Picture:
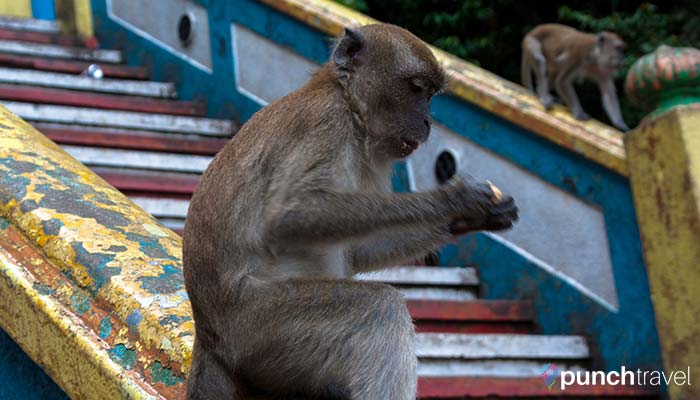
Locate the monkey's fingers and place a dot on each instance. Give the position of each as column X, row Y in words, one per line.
column 497, row 194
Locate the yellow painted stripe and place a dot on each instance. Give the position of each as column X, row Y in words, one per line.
column 592, row 139
column 76, row 17
column 16, row 8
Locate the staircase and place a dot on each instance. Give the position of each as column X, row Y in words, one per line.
column 139, row 137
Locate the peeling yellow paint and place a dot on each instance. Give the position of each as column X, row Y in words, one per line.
column 664, row 158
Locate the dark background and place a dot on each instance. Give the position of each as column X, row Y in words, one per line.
column 488, row 32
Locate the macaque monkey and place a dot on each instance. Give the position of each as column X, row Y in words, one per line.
column 558, row 54
column 297, row 203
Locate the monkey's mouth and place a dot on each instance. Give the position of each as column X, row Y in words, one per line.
column 408, row 146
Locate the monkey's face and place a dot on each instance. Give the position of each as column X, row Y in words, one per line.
column 394, row 79
column 611, row 51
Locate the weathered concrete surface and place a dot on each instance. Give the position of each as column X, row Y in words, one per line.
column 664, row 163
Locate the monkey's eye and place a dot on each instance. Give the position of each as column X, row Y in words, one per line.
column 417, row 86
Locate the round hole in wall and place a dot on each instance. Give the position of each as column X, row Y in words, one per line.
column 184, row 28
column 445, row 167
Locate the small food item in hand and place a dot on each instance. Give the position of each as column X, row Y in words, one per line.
column 497, row 194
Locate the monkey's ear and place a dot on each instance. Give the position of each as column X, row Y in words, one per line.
column 347, row 52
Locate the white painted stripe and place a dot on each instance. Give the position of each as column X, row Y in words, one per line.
column 121, row 119
column 477, row 346
column 79, row 82
column 423, row 276
column 28, row 24
column 163, row 207
column 492, row 368
column 102, row 157
column 172, row 223
column 438, row 294
column 550, row 269
column 55, row 51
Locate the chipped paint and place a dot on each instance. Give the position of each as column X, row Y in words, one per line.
column 123, row 356
column 160, row 374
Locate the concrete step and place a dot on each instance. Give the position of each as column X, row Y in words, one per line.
column 122, row 119
column 139, row 160
column 424, row 276
column 60, row 52
column 475, row 316
column 29, row 25
column 86, row 83
column 46, row 95
column 429, row 283
column 72, row 66
column 131, row 139
column 40, row 37
column 484, row 387
column 501, row 346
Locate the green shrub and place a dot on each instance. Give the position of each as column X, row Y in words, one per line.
column 488, row 32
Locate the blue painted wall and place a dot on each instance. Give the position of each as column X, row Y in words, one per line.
column 21, row 378
column 43, row 9
column 627, row 337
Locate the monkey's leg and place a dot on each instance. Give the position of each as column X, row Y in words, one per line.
column 535, row 49
column 611, row 104
column 564, row 84
column 208, row 378
column 526, row 70
column 325, row 339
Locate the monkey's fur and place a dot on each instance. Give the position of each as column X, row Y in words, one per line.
column 297, row 203
column 558, row 54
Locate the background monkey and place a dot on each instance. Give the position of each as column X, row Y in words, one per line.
column 558, row 54
column 298, row 202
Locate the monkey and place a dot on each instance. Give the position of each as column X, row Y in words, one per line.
column 558, row 54
column 300, row 200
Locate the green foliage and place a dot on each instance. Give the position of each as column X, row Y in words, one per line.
column 488, row 32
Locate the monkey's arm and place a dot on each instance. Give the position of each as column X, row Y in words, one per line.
column 397, row 247
column 403, row 245
column 611, row 103
column 564, row 84
column 327, row 216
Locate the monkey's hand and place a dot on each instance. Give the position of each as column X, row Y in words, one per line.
column 479, row 206
column 501, row 216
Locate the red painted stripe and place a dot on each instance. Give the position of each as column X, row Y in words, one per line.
column 41, row 37
column 127, row 139
column 513, row 388
column 42, row 95
column 473, row 327
column 72, row 67
column 141, row 181
column 477, row 310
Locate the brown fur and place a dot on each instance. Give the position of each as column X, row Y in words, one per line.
column 558, row 54
column 297, row 203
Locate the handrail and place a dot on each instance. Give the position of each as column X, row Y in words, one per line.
column 81, row 263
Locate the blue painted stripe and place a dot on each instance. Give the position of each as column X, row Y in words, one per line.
column 44, row 9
